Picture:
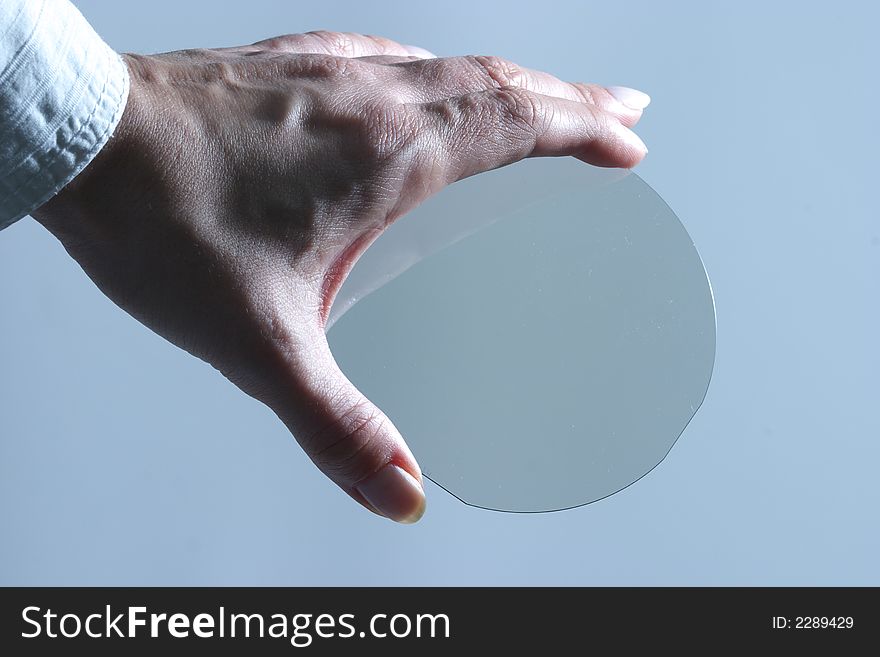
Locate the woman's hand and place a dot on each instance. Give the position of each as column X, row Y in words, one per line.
column 243, row 183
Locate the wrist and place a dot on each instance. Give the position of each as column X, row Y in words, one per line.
column 67, row 207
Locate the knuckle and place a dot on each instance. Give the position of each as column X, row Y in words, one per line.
column 349, row 447
column 516, row 107
column 321, row 66
column 446, row 114
column 279, row 41
column 341, row 43
column 390, row 130
column 586, row 92
column 376, row 134
column 496, row 71
column 215, row 70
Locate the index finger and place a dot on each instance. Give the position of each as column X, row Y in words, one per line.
column 489, row 129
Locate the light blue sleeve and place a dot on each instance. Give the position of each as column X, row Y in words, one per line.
column 62, row 92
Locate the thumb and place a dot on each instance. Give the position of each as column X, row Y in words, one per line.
column 349, row 438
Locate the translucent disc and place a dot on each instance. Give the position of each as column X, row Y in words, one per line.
column 541, row 335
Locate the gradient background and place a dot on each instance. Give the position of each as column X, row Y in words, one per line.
column 125, row 461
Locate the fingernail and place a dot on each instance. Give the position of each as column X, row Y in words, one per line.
column 421, row 52
column 632, row 98
column 395, row 494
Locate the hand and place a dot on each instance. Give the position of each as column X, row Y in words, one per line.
column 243, row 183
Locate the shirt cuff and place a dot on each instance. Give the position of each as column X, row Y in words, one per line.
column 62, row 93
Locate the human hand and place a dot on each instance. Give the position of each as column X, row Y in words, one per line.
column 243, row 183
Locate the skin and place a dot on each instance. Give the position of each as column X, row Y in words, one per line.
column 242, row 184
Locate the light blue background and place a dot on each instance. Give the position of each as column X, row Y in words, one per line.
column 125, row 461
